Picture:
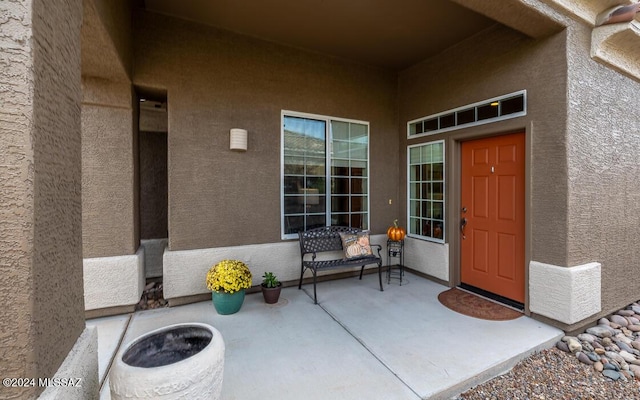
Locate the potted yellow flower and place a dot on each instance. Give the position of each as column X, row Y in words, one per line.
column 227, row 281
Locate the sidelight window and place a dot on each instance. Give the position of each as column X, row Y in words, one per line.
column 426, row 191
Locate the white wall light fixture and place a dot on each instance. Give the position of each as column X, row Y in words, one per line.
column 238, row 139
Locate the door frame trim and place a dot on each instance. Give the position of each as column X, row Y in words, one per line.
column 453, row 151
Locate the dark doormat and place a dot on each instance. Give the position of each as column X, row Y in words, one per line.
column 475, row 306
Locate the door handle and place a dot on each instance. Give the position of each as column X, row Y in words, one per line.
column 463, row 224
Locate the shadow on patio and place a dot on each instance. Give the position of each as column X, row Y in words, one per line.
column 357, row 343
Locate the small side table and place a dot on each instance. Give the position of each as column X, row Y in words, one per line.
column 395, row 250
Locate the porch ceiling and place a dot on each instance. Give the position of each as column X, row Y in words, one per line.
column 389, row 34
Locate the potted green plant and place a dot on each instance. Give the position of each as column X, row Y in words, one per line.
column 227, row 281
column 271, row 287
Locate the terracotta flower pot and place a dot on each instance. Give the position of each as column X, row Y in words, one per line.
column 271, row 295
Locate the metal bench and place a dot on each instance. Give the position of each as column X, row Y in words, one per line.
column 327, row 239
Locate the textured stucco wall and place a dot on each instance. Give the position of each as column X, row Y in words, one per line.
column 618, row 46
column 115, row 17
column 40, row 227
column 153, row 121
column 586, row 10
column 426, row 257
column 81, row 363
column 565, row 294
column 109, row 169
column 216, row 81
column 153, row 185
column 530, row 17
column 604, row 191
column 184, row 271
column 497, row 62
column 106, row 39
column 113, row 281
column 153, row 252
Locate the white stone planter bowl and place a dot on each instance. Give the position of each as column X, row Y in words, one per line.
column 199, row 376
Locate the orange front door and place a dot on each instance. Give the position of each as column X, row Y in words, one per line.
column 492, row 215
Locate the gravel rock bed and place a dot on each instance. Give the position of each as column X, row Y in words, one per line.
column 553, row 374
column 602, row 363
column 152, row 297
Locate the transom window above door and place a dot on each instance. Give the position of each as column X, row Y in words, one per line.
column 325, row 172
column 492, row 110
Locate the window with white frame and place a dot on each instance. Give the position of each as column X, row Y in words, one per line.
column 325, row 172
column 426, row 193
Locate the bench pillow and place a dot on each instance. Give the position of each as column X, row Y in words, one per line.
column 356, row 245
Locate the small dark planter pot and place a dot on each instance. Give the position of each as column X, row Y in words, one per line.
column 271, row 295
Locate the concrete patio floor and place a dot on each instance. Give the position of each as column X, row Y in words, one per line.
column 357, row 343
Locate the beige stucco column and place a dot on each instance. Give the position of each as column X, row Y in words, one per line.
column 113, row 263
column 109, row 168
column 42, row 322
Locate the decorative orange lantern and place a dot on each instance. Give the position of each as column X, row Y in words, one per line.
column 395, row 232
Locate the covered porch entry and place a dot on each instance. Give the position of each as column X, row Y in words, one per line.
column 357, row 343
